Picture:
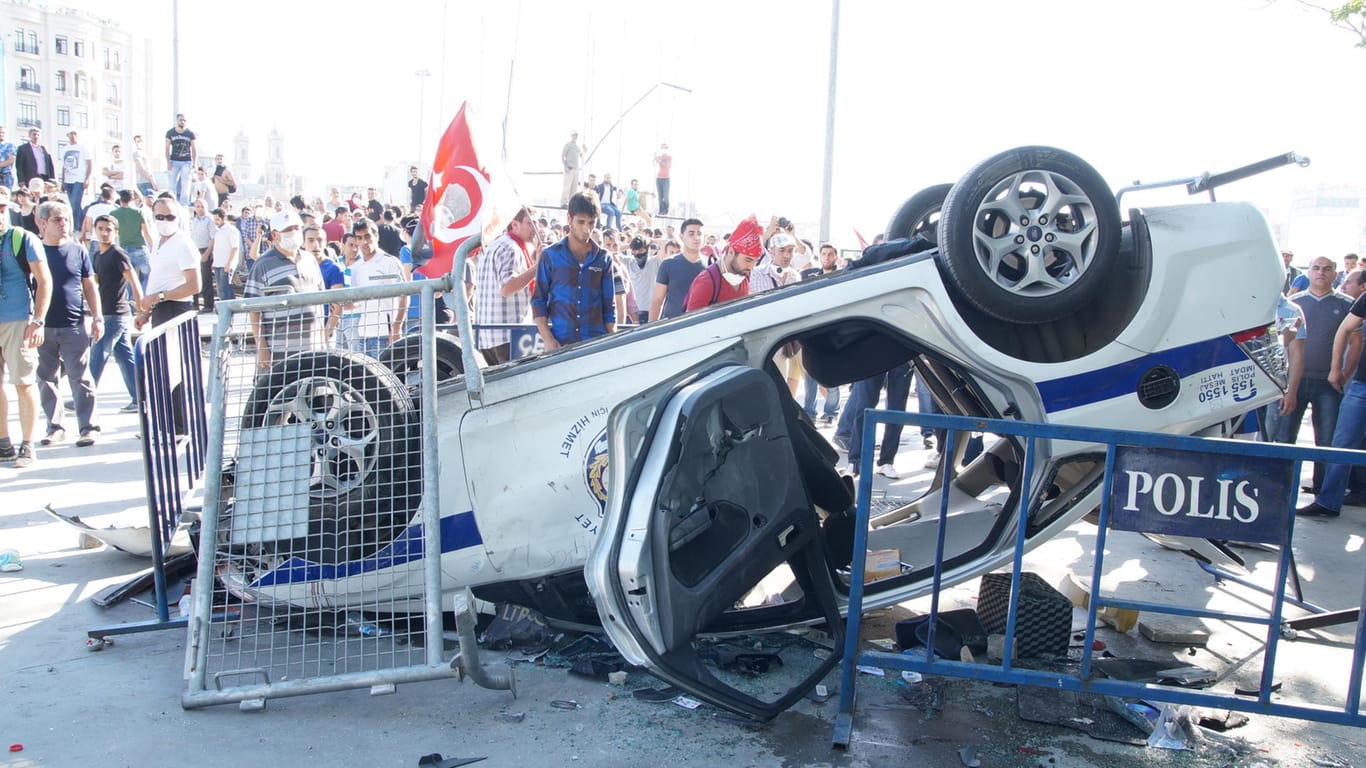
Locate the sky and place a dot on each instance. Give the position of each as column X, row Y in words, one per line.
column 1143, row 91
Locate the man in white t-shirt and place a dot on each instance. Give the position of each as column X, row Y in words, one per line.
column 76, row 167
column 117, row 172
column 174, row 279
column 381, row 320
column 227, row 251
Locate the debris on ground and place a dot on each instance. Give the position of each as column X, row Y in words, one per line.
column 969, row 757
column 656, row 695
column 9, row 561
column 435, row 760
column 510, row 717
column 517, row 626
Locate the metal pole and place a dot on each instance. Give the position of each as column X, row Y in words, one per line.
column 828, row 176
column 422, row 75
column 175, row 57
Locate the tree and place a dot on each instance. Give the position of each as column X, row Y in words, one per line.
column 1349, row 15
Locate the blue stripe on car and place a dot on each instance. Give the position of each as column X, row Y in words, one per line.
column 457, row 532
column 1122, row 379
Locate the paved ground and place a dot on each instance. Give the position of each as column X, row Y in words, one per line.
column 69, row 707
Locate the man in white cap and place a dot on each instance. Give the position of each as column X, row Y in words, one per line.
column 776, row 270
column 279, row 271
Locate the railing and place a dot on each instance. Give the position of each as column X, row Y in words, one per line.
column 31, row 87
column 26, row 48
column 29, row 122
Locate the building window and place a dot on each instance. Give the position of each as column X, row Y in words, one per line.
column 118, row 65
column 63, row 116
column 28, row 115
column 28, row 80
column 61, row 80
column 60, row 44
column 111, row 126
column 25, row 41
column 80, row 49
column 113, row 97
column 81, row 89
column 82, row 119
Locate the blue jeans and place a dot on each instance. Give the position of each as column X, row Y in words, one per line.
column 898, row 383
column 373, row 345
column 115, row 341
column 141, row 263
column 146, row 188
column 222, row 280
column 662, row 188
column 1326, row 402
column 832, row 399
column 1351, row 425
column 180, row 180
column 611, row 212
column 924, row 403
column 75, row 193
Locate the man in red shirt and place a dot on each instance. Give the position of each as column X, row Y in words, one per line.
column 728, row 277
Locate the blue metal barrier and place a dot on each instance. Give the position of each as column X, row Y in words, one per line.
column 1130, row 457
column 171, row 401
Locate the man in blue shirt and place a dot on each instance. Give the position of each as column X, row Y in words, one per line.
column 23, row 316
column 574, row 298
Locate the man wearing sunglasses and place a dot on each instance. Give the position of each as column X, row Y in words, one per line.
column 175, row 277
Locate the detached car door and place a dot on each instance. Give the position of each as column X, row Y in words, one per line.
column 706, row 500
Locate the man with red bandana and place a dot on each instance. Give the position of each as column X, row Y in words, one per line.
column 728, row 277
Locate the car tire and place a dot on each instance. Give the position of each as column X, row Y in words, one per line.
column 919, row 215
column 359, row 412
column 1029, row 235
column 404, row 358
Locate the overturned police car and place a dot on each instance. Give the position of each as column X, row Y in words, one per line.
column 662, row 483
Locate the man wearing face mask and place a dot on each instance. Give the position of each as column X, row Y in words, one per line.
column 728, row 278
column 285, row 268
column 641, row 270
column 174, row 278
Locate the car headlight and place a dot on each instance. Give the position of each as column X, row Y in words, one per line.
column 1263, row 346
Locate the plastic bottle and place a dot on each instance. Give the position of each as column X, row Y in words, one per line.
column 356, row 624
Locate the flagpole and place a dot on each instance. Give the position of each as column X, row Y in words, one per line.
column 827, row 178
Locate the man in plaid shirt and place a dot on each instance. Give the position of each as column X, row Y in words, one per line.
column 502, row 278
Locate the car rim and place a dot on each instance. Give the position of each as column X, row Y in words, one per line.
column 1035, row 233
column 344, row 428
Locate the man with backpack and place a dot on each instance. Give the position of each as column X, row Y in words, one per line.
column 728, row 278
column 25, row 292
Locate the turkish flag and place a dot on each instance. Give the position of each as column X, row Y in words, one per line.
column 459, row 201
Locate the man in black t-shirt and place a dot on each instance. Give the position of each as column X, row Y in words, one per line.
column 116, row 277
column 1351, row 423
column 417, row 189
column 181, row 154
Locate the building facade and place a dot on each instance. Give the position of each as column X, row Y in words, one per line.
column 66, row 70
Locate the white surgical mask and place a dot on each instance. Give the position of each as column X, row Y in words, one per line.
column 166, row 228
column 733, row 279
column 290, row 241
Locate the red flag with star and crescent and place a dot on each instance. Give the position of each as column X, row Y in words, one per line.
column 459, row 203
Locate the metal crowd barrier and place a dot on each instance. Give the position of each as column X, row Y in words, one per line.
column 1129, row 456
column 170, row 390
column 319, row 552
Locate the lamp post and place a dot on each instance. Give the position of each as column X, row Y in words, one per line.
column 422, row 74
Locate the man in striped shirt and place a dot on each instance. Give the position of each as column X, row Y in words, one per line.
column 502, row 276
column 280, row 270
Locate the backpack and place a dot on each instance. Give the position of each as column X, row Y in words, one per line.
column 16, row 247
column 715, row 277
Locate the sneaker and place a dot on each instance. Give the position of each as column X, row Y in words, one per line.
column 928, row 442
column 932, row 461
column 888, row 471
column 840, row 443
column 1315, row 509
column 8, row 453
column 87, row 439
column 25, row 455
column 70, row 406
column 130, row 408
column 55, row 436
column 853, row 469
